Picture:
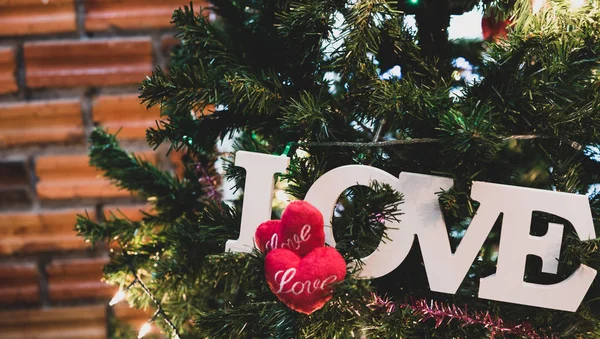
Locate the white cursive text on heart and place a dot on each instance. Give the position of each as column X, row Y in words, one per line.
column 292, row 243
column 282, row 278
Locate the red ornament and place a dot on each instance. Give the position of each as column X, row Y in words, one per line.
column 494, row 29
column 300, row 230
column 304, row 284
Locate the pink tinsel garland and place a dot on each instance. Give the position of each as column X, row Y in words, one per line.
column 209, row 183
column 441, row 312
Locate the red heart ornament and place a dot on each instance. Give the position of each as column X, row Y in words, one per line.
column 300, row 230
column 304, row 283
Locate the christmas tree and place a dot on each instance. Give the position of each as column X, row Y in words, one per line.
column 313, row 81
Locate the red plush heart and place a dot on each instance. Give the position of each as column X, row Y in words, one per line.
column 304, row 283
column 300, row 230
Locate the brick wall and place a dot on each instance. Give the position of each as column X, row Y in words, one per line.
column 66, row 66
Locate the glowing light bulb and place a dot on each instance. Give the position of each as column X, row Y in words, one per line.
column 120, row 296
column 145, row 329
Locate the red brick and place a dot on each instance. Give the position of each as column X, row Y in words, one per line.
column 131, row 14
column 32, row 232
column 55, row 323
column 22, row 17
column 19, row 283
column 40, row 122
column 101, row 62
column 76, row 279
column 8, row 83
column 124, row 113
column 71, row 177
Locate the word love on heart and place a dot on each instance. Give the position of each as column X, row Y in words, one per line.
column 423, row 219
column 282, row 278
column 300, row 229
column 292, row 243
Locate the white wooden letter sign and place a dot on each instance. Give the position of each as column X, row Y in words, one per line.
column 423, row 218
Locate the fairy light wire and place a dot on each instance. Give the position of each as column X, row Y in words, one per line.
column 159, row 310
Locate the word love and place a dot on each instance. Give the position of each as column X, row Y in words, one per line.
column 423, row 219
column 282, row 278
column 292, row 243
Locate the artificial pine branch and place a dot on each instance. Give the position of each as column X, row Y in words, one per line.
column 170, row 196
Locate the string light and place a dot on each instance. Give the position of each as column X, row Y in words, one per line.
column 145, row 329
column 287, row 149
column 120, row 296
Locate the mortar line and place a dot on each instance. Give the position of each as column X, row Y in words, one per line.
column 79, row 7
column 42, row 262
column 20, row 73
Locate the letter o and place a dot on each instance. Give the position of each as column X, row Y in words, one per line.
column 323, row 194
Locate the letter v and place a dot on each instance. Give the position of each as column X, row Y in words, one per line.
column 445, row 270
